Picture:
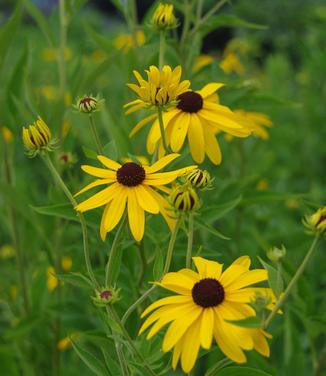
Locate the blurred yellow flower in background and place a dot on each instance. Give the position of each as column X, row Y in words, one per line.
column 256, row 122
column 7, row 251
column 7, row 135
column 66, row 263
column 201, row 62
column 64, row 344
column 231, row 63
column 262, row 185
column 51, row 54
column 125, row 42
column 52, row 281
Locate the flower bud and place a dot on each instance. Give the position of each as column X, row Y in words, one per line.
column 105, row 296
column 37, row 137
column 88, row 104
column 261, row 301
column 184, row 198
column 276, row 254
column 199, row 179
column 66, row 159
column 163, row 17
column 317, row 221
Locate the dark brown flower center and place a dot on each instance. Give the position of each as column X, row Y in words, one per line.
column 105, row 294
column 321, row 219
column 131, row 174
column 208, row 293
column 87, row 100
column 190, row 102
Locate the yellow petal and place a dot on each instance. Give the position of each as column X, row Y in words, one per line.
column 94, row 184
column 146, row 200
column 177, row 329
column 101, row 198
column 210, row 89
column 208, row 268
column 190, row 348
column 161, row 163
column 212, row 147
column 207, row 327
column 177, row 299
column 235, row 311
column 136, row 216
column 99, row 172
column 117, row 208
column 249, row 278
column 179, row 131
column 232, row 273
column 243, row 261
column 141, row 124
column 196, row 139
column 109, row 163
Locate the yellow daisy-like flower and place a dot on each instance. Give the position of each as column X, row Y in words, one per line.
column 201, row 62
column 161, row 88
column 206, row 303
column 131, row 185
column 125, row 42
column 255, row 121
column 198, row 116
column 231, row 63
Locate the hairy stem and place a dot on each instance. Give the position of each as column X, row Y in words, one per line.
column 190, row 239
column 95, row 135
column 160, row 120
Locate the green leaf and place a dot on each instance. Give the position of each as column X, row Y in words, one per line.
column 266, row 196
column 65, row 211
column 242, row 371
column 111, row 323
column 110, row 150
column 210, row 229
column 248, row 322
column 8, row 30
column 212, row 213
column 89, row 153
column 75, row 279
column 23, row 327
column 275, row 280
column 227, row 21
column 41, row 21
column 91, row 361
column 158, row 264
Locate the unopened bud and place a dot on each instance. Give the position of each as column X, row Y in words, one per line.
column 105, row 296
column 199, row 179
column 276, row 254
column 88, row 104
column 317, row 221
column 163, row 17
column 184, row 198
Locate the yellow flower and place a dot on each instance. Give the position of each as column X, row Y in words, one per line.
column 7, row 135
column 7, row 251
column 52, row 280
column 51, row 54
column 49, row 92
column 37, row 137
column 198, row 116
column 206, row 303
column 317, row 221
column 66, row 263
column 140, row 158
column 125, row 42
column 98, row 56
column 161, row 88
column 255, row 121
column 131, row 185
column 231, row 63
column 163, row 17
column 262, row 185
column 64, row 344
column 201, row 62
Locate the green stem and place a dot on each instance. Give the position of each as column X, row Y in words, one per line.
column 20, row 259
column 218, row 366
column 95, row 135
column 62, row 47
column 208, row 15
column 171, row 246
column 190, row 239
column 122, row 360
column 57, row 178
column 292, row 283
column 160, row 120
column 130, row 341
column 165, row 270
column 114, row 254
column 162, row 49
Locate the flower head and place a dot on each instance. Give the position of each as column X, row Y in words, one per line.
column 105, row 296
column 199, row 179
column 161, row 88
column 37, row 138
column 276, row 254
column 163, row 17
column 231, row 63
column 205, row 303
column 197, row 116
column 317, row 221
column 88, row 104
column 184, row 198
column 125, row 42
column 131, row 185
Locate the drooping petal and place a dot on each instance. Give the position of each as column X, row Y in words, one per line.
column 212, row 147
column 248, row 278
column 116, row 210
column 99, row 172
column 95, row 184
column 196, row 139
column 146, row 200
column 190, row 348
column 141, row 124
column 207, row 327
column 136, row 216
column 179, row 131
column 177, row 299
